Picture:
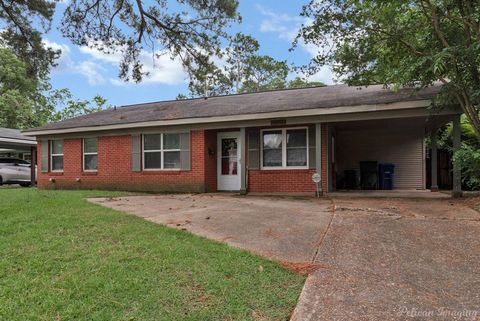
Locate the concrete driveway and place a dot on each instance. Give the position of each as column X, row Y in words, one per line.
column 380, row 258
column 396, row 259
column 278, row 228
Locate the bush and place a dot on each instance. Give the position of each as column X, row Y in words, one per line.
column 468, row 157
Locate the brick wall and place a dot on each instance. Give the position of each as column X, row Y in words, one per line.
column 281, row 181
column 114, row 168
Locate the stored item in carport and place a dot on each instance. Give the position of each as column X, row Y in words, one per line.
column 369, row 175
column 386, row 174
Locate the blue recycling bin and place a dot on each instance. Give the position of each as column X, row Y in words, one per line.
column 386, row 175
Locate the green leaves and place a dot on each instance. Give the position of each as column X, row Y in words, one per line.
column 13, row 73
column 70, row 107
column 441, row 61
column 186, row 29
column 468, row 157
column 400, row 43
column 23, row 23
column 26, row 103
column 241, row 70
column 264, row 73
column 16, row 99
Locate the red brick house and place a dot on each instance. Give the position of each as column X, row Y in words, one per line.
column 259, row 142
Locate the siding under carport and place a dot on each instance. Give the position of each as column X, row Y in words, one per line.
column 399, row 141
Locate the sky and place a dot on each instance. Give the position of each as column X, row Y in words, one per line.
column 87, row 72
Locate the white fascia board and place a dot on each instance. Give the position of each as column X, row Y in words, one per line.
column 18, row 141
column 219, row 119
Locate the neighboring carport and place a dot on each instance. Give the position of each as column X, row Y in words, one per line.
column 13, row 143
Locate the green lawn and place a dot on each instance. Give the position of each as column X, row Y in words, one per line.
column 62, row 258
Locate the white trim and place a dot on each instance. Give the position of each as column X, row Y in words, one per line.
column 89, row 153
column 161, row 151
column 18, row 141
column 56, row 155
column 256, row 116
column 229, row 182
column 284, row 149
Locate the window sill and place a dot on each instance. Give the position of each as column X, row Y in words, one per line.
column 163, row 171
column 283, row 168
column 55, row 173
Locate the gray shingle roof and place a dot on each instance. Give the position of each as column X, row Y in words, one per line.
column 13, row 134
column 244, row 104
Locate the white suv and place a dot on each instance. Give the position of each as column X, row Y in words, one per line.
column 15, row 171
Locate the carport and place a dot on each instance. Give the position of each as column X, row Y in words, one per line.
column 14, row 143
column 359, row 150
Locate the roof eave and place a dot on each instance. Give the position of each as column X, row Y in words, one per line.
column 18, row 141
column 413, row 104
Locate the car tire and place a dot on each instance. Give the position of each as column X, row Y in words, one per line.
column 25, row 185
column 1, row 181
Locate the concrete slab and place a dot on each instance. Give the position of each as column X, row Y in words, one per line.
column 396, row 259
column 280, row 228
column 411, row 194
column 380, row 259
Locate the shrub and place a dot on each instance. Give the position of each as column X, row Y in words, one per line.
column 469, row 159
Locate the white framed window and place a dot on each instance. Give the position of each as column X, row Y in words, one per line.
column 284, row 148
column 56, row 155
column 161, row 151
column 90, row 154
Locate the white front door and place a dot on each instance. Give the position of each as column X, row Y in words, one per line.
column 228, row 161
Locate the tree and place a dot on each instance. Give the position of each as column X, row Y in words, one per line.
column 181, row 97
column 468, row 157
column 25, row 103
column 16, row 103
column 188, row 29
column 208, row 80
column 70, row 107
column 401, row 43
column 22, row 23
column 238, row 53
column 264, row 73
column 259, row 73
column 299, row 82
column 226, row 75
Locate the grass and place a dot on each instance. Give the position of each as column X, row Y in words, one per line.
column 62, row 258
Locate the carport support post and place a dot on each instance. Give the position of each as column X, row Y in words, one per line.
column 457, row 173
column 318, row 154
column 33, row 162
column 433, row 143
column 243, row 161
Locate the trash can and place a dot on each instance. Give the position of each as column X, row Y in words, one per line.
column 386, row 175
column 368, row 175
column 350, row 179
